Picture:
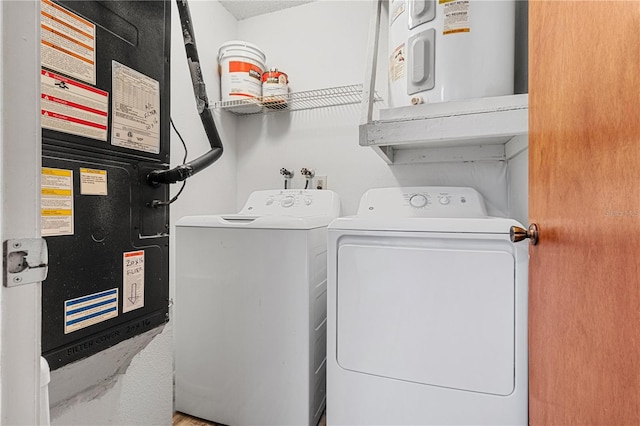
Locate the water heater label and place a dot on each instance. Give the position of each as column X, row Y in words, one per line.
column 133, row 281
column 89, row 310
column 396, row 63
column 68, row 42
column 73, row 107
column 456, row 16
column 56, row 202
column 396, row 10
column 93, row 182
column 136, row 110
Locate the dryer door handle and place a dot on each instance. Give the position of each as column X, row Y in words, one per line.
column 517, row 234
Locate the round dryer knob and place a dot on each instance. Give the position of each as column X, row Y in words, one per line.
column 418, row 201
column 308, row 201
column 287, row 201
column 444, row 200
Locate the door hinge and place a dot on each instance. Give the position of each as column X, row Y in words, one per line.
column 25, row 261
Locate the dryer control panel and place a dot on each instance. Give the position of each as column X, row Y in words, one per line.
column 422, row 201
column 292, row 202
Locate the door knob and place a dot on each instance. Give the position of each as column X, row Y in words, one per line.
column 518, row 234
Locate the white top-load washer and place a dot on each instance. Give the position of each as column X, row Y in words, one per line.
column 427, row 312
column 250, row 310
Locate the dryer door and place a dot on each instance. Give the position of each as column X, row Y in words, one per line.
column 428, row 308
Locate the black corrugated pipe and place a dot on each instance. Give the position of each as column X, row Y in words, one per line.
column 186, row 170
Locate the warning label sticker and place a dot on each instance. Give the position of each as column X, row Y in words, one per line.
column 397, row 8
column 396, row 63
column 136, row 110
column 72, row 107
column 93, row 182
column 456, row 16
column 68, row 42
column 89, row 310
column 133, row 281
column 56, row 202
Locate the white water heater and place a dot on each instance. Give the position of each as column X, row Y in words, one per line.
column 446, row 50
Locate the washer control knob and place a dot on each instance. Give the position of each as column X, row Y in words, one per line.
column 308, row 201
column 269, row 201
column 287, row 201
column 418, row 201
column 444, row 200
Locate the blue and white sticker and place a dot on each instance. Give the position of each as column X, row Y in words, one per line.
column 89, row 310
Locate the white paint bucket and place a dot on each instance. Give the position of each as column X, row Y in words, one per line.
column 446, row 50
column 241, row 65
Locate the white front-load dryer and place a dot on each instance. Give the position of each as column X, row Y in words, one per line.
column 250, row 310
column 427, row 312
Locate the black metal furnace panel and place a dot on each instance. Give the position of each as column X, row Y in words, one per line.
column 92, row 261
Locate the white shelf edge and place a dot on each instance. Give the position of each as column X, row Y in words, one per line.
column 468, row 123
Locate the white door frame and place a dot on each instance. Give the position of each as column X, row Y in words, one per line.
column 20, row 162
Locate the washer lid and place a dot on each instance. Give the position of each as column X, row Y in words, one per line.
column 245, row 221
column 276, row 209
column 486, row 225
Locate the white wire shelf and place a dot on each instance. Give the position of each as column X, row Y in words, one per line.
column 296, row 101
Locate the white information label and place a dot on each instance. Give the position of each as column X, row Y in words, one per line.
column 93, row 182
column 133, row 281
column 72, row 107
column 56, row 202
column 89, row 310
column 456, row 16
column 135, row 110
column 68, row 42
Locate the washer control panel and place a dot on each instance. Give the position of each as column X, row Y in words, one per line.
column 292, row 202
column 422, row 201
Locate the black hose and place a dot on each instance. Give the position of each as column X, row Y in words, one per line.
column 186, row 170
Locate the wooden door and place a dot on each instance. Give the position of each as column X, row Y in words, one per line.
column 584, row 189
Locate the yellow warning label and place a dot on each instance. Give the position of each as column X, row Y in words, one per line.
column 56, row 172
column 51, row 191
column 93, row 182
column 56, row 212
column 56, row 202
column 94, row 171
column 458, row 30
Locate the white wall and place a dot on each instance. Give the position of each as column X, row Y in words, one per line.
column 143, row 395
column 320, row 45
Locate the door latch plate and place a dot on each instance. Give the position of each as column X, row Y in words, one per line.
column 25, row 261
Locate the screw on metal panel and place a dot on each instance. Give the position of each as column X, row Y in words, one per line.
column 17, row 245
column 17, row 279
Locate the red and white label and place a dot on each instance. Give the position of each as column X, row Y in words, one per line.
column 68, row 42
column 245, row 79
column 274, row 83
column 132, row 280
column 73, row 107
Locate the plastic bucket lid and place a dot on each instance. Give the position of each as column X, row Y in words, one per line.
column 238, row 47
